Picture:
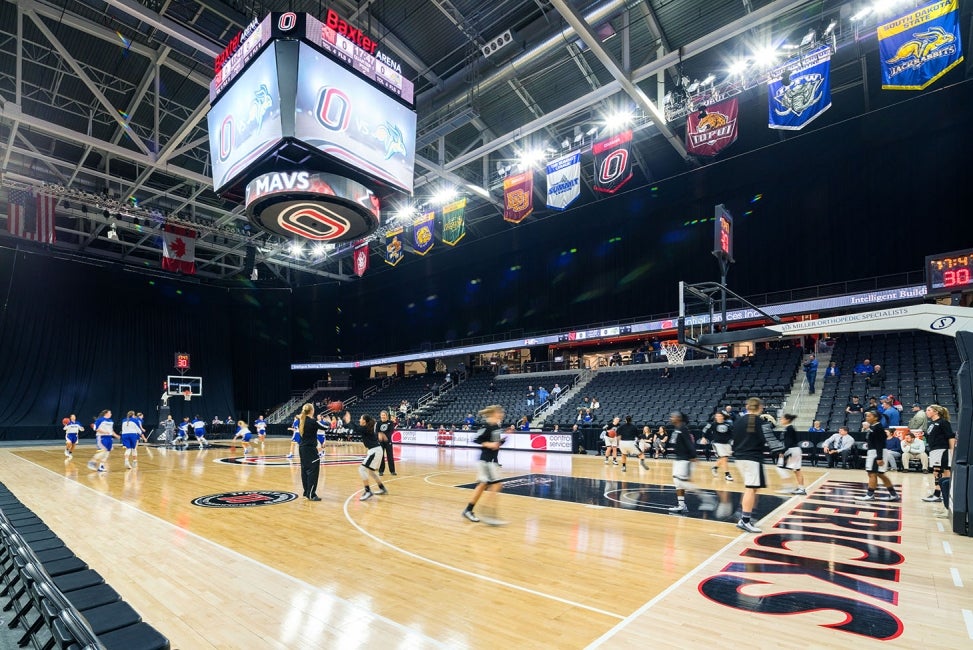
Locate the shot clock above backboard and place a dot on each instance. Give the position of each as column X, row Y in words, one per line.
column 948, row 273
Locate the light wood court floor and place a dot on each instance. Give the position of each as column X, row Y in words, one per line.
column 589, row 556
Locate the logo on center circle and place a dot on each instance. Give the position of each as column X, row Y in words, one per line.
column 244, row 499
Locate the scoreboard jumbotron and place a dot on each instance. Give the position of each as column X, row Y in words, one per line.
column 312, row 126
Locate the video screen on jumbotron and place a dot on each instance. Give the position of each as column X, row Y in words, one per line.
column 245, row 122
column 347, row 118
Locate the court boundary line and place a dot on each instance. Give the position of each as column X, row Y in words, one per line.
column 621, row 625
column 393, row 623
column 465, row 572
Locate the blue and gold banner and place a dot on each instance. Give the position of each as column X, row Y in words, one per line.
column 393, row 246
column 422, row 233
column 799, row 90
column 454, row 222
column 921, row 46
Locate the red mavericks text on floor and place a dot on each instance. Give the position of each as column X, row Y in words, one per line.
column 823, row 527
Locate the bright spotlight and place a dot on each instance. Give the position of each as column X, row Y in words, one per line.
column 444, row 196
column 737, row 67
column 765, row 56
column 296, row 249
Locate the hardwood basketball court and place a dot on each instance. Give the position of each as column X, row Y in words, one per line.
column 589, row 556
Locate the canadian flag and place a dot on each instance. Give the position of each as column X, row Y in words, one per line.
column 179, row 249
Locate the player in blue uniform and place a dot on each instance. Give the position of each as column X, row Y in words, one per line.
column 72, row 430
column 243, row 433
column 104, row 435
column 131, row 433
column 199, row 430
column 183, row 431
column 323, row 422
column 260, row 425
column 296, row 437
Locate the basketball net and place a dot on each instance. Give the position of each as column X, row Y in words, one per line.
column 675, row 353
column 187, row 395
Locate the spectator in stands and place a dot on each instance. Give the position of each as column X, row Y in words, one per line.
column 531, row 396
column 469, row 421
column 890, row 414
column 667, row 373
column 659, row 441
column 838, row 448
column 864, row 368
column 877, row 378
column 555, row 392
column 595, row 404
column 586, row 418
column 492, row 388
column 615, row 359
column 811, row 372
column 542, row 395
column 816, row 427
column 523, row 424
column 855, row 407
column 585, row 403
column 914, row 449
column 832, row 370
column 729, row 413
column 919, row 421
column 872, row 404
column 556, row 429
column 893, row 450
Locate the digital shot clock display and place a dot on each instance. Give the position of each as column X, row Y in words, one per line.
column 949, row 272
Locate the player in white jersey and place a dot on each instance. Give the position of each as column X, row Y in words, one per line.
column 131, row 434
column 104, row 436
column 243, row 433
column 260, row 425
column 72, row 430
column 182, row 431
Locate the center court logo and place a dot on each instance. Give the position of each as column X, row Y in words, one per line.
column 244, row 499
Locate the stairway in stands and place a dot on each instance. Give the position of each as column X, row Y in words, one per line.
column 799, row 401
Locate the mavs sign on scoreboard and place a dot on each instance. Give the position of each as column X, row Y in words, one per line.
column 285, row 95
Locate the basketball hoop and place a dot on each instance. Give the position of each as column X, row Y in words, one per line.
column 187, row 395
column 675, row 353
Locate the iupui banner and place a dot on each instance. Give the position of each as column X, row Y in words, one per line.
column 518, row 196
column 360, row 258
column 563, row 180
column 713, row 129
column 921, row 46
column 179, row 249
column 613, row 162
column 454, row 222
column 393, row 246
column 800, row 90
column 423, row 227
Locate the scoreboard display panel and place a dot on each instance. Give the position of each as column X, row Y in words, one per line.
column 949, row 272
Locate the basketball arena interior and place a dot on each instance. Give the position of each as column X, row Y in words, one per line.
column 528, row 262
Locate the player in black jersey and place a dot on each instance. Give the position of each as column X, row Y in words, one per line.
column 721, row 435
column 385, row 426
column 685, row 449
column 942, row 440
column 487, row 474
column 875, row 463
column 627, row 434
column 373, row 455
column 749, row 442
column 791, row 458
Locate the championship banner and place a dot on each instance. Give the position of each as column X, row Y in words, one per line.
column 454, row 222
column 518, row 196
column 921, row 46
column 613, row 162
column 563, row 180
column 360, row 258
column 806, row 93
column 393, row 246
column 422, row 233
column 711, row 130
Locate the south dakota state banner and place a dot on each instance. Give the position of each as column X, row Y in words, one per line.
column 422, row 233
column 613, row 162
column 794, row 105
column 359, row 257
column 563, row 180
column 454, row 222
column 393, row 246
column 710, row 131
column 921, row 46
column 518, row 196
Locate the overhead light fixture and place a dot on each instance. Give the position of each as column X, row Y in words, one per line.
column 738, row 67
column 296, row 249
column 830, row 27
column 708, row 81
column 444, row 196
column 862, row 14
column 319, row 250
column 529, row 158
column 112, row 233
column 618, row 119
column 765, row 56
column 808, row 38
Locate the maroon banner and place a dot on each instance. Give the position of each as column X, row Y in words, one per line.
column 518, row 196
column 712, row 129
column 613, row 162
column 360, row 257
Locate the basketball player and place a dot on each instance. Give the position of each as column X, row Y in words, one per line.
column 748, row 452
column 260, row 425
column 685, row 449
column 72, row 430
column 295, row 436
column 373, row 456
column 311, row 431
column 627, row 434
column 386, row 427
column 790, row 458
column 320, row 436
column 243, row 433
column 611, row 440
column 104, row 434
column 875, row 463
column 199, row 430
column 941, row 439
column 131, row 432
column 721, row 436
column 487, row 474
column 183, row 429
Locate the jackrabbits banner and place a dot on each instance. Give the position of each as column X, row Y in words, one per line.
column 920, row 47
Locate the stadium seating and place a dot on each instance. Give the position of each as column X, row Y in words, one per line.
column 406, row 388
column 510, row 391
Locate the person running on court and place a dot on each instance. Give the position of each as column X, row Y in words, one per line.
column 627, row 434
column 260, row 426
column 199, row 430
column 721, row 436
column 104, row 435
column 243, row 433
column 131, row 433
column 791, row 458
column 72, row 430
column 487, row 470
column 685, row 450
column 875, row 463
column 309, row 429
column 748, row 452
column 183, row 435
column 373, row 456
column 386, row 426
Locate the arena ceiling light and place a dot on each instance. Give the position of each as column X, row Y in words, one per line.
column 618, row 120
column 444, row 195
column 319, row 250
column 530, row 157
column 296, row 249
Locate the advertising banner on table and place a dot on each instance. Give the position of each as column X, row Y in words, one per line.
column 613, row 162
column 423, row 228
column 534, row 441
column 921, row 46
column 393, row 245
column 563, row 180
column 713, row 129
column 360, row 258
column 518, row 196
column 800, row 90
column 454, row 222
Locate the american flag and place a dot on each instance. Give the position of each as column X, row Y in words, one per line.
column 31, row 216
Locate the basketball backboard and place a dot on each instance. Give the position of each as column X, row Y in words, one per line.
column 177, row 384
